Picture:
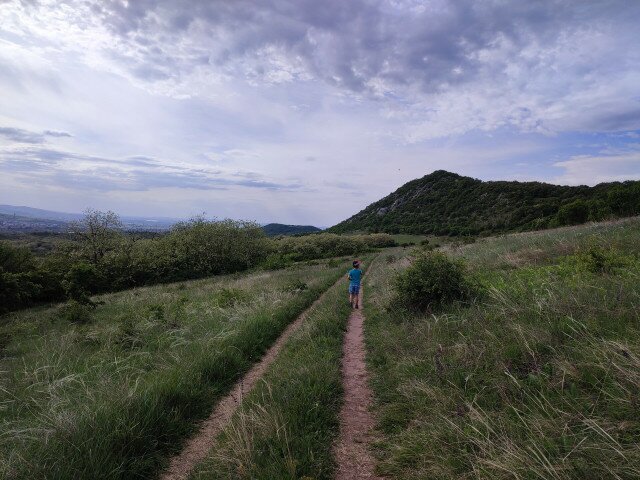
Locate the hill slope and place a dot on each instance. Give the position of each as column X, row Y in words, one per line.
column 537, row 378
column 445, row 203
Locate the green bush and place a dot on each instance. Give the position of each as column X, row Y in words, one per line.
column 323, row 245
column 16, row 290
column 76, row 312
column 597, row 259
column 15, row 259
column 573, row 213
column 200, row 248
column 228, row 297
column 378, row 240
column 78, row 269
column 295, row 286
column 276, row 261
column 432, row 281
column 80, row 281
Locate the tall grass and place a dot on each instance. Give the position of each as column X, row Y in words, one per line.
column 536, row 379
column 285, row 428
column 113, row 397
column 545, row 246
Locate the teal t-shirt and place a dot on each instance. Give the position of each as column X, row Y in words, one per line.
column 354, row 276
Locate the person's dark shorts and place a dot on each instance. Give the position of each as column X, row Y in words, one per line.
column 354, row 289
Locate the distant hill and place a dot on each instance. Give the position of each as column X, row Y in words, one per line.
column 274, row 229
column 21, row 218
column 29, row 212
column 445, row 203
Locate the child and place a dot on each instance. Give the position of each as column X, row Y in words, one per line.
column 355, row 275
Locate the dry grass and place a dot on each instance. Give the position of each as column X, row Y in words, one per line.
column 111, row 398
column 285, row 428
column 537, row 379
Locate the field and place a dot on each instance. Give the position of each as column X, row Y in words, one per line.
column 405, row 238
column 111, row 395
column 286, row 427
column 536, row 378
column 536, row 375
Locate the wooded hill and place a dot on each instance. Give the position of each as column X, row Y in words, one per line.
column 444, row 203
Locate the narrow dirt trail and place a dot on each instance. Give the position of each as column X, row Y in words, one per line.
column 351, row 451
column 198, row 446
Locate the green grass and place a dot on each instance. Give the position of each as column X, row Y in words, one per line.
column 285, row 428
column 545, row 246
column 539, row 378
column 401, row 238
column 113, row 397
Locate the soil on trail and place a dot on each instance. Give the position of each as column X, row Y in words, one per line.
column 198, row 446
column 351, row 451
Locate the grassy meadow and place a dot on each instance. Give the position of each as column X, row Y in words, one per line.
column 285, row 428
column 533, row 375
column 538, row 377
column 111, row 395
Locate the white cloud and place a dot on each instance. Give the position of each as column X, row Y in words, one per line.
column 377, row 93
column 590, row 170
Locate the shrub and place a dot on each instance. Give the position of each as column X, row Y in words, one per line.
column 378, row 240
column 432, row 281
column 76, row 312
column 228, row 297
column 15, row 259
column 156, row 311
column 573, row 213
column 200, row 248
column 323, row 245
column 276, row 261
column 128, row 335
column 114, row 260
column 295, row 286
column 80, row 281
column 597, row 259
column 16, row 290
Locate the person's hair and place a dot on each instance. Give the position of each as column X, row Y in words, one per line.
column 356, row 263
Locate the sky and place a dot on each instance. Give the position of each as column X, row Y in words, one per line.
column 306, row 111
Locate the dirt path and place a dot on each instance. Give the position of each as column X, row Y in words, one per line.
column 351, row 451
column 198, row 446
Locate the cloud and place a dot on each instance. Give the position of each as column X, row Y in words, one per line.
column 443, row 67
column 606, row 167
column 286, row 95
column 136, row 173
column 55, row 133
column 20, row 135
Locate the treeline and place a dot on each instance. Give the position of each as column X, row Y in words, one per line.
column 445, row 203
column 276, row 229
column 287, row 250
column 101, row 257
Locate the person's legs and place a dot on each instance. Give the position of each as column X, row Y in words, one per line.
column 356, row 295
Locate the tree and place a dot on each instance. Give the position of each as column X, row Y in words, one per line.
column 99, row 232
column 573, row 213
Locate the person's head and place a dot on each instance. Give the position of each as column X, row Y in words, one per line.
column 356, row 264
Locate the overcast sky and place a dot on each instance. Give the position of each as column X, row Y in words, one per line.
column 306, row 111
